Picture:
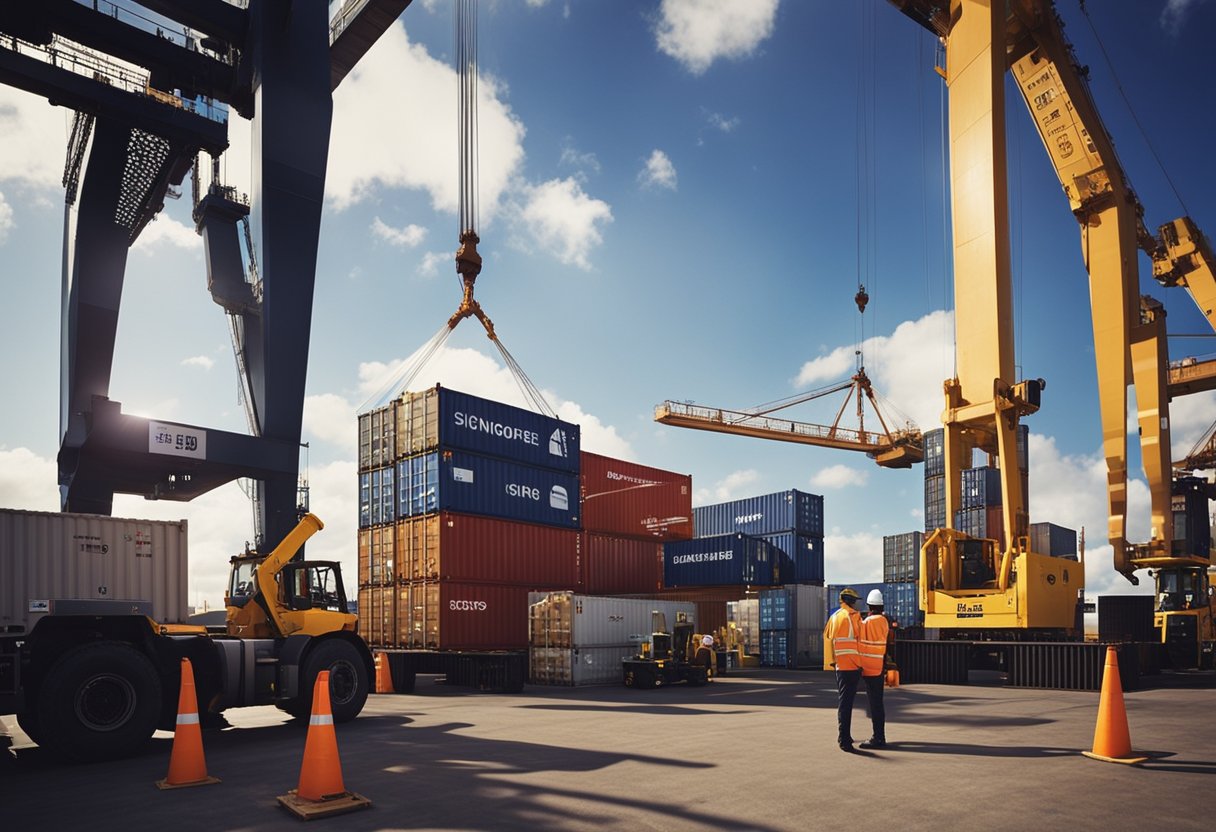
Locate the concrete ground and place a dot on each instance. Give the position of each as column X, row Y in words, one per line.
column 750, row 752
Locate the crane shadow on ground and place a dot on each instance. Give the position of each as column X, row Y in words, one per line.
column 1016, row 751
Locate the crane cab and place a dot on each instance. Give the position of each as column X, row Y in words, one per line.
column 309, row 599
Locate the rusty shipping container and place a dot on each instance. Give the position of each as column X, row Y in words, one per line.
column 376, row 555
column 465, row 547
column 50, row 556
column 625, row 498
column 610, row 565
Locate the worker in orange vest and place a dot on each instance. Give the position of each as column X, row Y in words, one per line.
column 874, row 632
column 841, row 639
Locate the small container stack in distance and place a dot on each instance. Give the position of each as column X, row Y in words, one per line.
column 1055, row 541
column 628, row 510
column 901, row 557
column 581, row 639
column 978, row 489
column 791, row 626
column 484, row 508
column 792, row 521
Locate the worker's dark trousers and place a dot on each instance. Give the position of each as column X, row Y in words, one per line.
column 846, row 692
column 878, row 711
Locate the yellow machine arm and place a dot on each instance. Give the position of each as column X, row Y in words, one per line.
column 266, row 571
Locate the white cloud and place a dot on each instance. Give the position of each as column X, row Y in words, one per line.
column 733, row 486
column 721, row 122
column 839, row 476
column 658, row 172
column 164, row 230
column 204, row 361
column 852, row 558
column 1190, row 418
column 362, row 158
column 331, row 418
column 907, row 367
column 1173, row 14
column 410, row 236
column 572, row 157
column 698, row 32
column 27, row 481
column 34, row 137
column 563, row 220
column 6, row 219
column 429, row 265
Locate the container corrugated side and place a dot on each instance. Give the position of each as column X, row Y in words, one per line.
column 901, row 556
column 578, row 666
column 935, row 502
column 1055, row 541
column 377, row 500
column 610, row 565
column 625, row 498
column 464, row 547
column 782, row 511
column 377, row 437
column 981, row 487
column 443, row 418
column 728, row 559
column 445, row 615
column 567, row 619
column 376, row 555
column 902, row 605
column 48, row 555
column 1192, row 523
column 935, row 453
column 793, row 608
column 806, row 553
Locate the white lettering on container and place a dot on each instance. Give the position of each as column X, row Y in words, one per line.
column 703, row 557
column 480, row 424
column 515, row 489
column 748, row 518
column 468, row 606
column 613, row 475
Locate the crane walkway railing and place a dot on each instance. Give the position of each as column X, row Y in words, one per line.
column 733, row 421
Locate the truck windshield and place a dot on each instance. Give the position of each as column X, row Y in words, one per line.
column 242, row 585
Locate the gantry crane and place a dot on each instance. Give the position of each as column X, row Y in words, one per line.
column 968, row 579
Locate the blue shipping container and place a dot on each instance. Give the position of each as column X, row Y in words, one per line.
column 1053, row 540
column 981, row 487
column 806, row 552
column 775, row 649
column 722, row 560
column 501, row 430
column 365, row 500
column 473, row 484
column 935, row 453
column 784, row 511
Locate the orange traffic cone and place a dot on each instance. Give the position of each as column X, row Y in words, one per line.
column 187, row 766
column 384, row 678
column 321, row 790
column 1112, row 742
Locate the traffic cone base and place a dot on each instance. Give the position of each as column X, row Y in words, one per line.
column 321, row 790
column 1112, row 741
column 206, row 781
column 329, row 805
column 187, row 765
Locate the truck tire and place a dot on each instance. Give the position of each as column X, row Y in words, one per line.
column 348, row 680
column 99, row 701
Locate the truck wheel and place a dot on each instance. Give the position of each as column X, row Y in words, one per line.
column 99, row 701
column 348, row 680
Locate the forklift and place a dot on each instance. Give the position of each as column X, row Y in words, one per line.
column 665, row 656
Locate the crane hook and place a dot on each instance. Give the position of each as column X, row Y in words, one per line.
column 861, row 298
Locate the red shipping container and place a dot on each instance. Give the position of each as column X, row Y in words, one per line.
column 625, row 498
column 442, row 615
column 464, row 547
column 619, row 565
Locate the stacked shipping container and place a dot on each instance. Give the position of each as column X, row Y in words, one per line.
column 901, row 557
column 791, row 626
column 791, row 521
column 465, row 505
column 901, row 607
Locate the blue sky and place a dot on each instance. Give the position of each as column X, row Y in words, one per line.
column 677, row 200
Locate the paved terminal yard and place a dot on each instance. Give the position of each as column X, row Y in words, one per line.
column 754, row 751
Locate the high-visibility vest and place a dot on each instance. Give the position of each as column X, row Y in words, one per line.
column 874, row 630
column 841, row 636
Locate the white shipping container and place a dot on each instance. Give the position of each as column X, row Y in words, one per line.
column 579, row 666
column 564, row 619
column 49, row 556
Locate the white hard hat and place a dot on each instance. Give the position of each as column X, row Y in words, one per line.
column 707, row 640
column 874, row 599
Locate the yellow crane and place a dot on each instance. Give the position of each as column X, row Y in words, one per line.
column 900, row 448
